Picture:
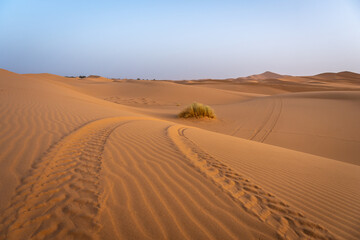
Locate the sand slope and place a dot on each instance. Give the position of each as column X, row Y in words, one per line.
column 35, row 114
column 320, row 123
column 153, row 193
column 51, row 166
column 322, row 189
column 81, row 159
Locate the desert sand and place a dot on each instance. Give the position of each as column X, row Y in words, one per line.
column 98, row 158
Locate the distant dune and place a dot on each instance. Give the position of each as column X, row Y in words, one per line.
column 265, row 75
column 96, row 158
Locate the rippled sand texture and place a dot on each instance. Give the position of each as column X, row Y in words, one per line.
column 102, row 159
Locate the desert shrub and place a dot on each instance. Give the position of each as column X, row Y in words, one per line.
column 197, row 110
column 82, row 76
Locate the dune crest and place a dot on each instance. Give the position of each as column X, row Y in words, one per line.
column 289, row 223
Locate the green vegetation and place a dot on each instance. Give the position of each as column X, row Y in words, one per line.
column 197, row 110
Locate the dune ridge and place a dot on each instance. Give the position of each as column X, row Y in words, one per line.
column 162, row 196
column 289, row 223
column 324, row 190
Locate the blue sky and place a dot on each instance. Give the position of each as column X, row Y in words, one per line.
column 179, row 39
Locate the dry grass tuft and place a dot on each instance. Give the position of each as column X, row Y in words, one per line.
column 197, row 110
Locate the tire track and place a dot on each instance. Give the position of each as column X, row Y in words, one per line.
column 61, row 195
column 246, row 119
column 289, row 223
column 278, row 107
column 266, row 120
column 178, row 193
column 270, row 121
column 161, row 196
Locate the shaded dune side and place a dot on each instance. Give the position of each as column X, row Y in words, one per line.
column 60, row 196
column 153, row 193
column 289, row 223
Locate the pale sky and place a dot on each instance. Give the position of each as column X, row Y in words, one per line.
column 179, row 39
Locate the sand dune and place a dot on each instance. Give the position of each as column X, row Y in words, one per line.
column 35, row 114
column 95, row 158
column 320, row 123
column 265, row 75
column 316, row 186
column 159, row 93
column 154, row 194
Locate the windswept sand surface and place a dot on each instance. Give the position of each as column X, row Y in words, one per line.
column 95, row 158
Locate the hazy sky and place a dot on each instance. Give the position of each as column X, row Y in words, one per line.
column 184, row 39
